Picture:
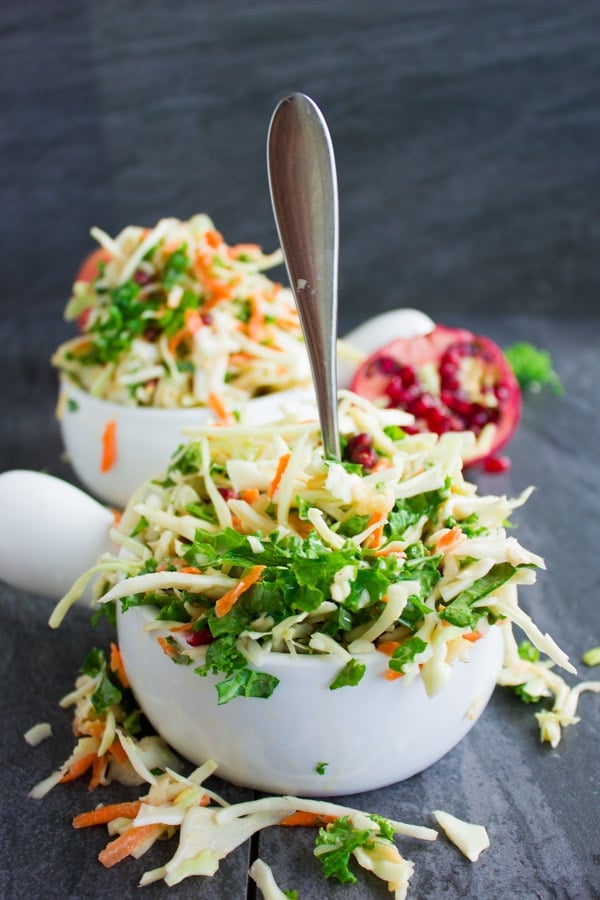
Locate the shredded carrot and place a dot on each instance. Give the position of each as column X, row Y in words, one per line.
column 117, row 515
column 183, row 628
column 116, row 750
column 167, row 648
column 257, row 317
column 176, row 340
column 128, row 843
column 214, row 239
column 281, row 467
column 104, row 814
column 191, row 570
column 448, row 539
column 241, row 249
column 98, row 770
column 382, row 463
column 392, row 675
column 376, row 536
column 79, row 767
column 391, row 551
column 216, row 403
column 109, row 446
column 250, row 495
column 117, row 666
column 388, row 647
column 227, row 601
column 472, row 636
column 314, row 820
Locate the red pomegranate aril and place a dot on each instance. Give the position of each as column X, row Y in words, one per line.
column 386, row 365
column 495, row 464
column 142, row 277
column 407, row 375
column 359, row 450
column 199, row 638
column 228, row 493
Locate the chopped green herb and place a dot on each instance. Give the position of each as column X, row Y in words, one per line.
column 320, row 768
column 406, row 653
column 532, row 367
column 528, row 652
column 335, row 844
column 591, row 657
column 72, row 405
column 141, row 526
column 349, row 676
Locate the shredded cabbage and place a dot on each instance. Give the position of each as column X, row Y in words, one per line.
column 179, row 318
column 253, row 536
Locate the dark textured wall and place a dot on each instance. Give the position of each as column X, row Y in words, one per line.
column 466, row 134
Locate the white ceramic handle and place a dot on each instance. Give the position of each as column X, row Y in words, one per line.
column 50, row 532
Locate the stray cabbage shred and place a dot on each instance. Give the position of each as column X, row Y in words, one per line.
column 176, row 317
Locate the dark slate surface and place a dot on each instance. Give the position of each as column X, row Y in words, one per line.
column 467, row 139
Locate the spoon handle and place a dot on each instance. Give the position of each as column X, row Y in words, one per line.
column 303, row 185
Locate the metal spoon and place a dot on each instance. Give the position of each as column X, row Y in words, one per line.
column 303, row 185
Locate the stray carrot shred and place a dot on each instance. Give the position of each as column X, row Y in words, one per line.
column 230, row 597
column 79, row 767
column 314, row 820
column 117, row 666
column 190, row 570
column 104, row 814
column 116, row 750
column 388, row 647
column 98, row 770
column 128, row 842
column 250, row 495
column 281, row 467
column 109, row 446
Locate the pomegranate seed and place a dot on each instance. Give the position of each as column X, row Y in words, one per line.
column 480, row 416
column 496, row 464
column 199, row 638
column 438, row 421
column 422, row 405
column 228, row 493
column 359, row 450
column 142, row 278
column 407, row 375
column 385, row 365
column 206, row 319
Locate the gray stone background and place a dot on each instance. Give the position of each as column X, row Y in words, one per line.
column 467, row 137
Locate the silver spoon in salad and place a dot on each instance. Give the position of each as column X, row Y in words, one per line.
column 303, row 186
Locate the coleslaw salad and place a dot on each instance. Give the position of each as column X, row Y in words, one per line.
column 253, row 543
column 179, row 318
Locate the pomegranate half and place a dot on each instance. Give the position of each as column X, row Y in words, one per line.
column 450, row 380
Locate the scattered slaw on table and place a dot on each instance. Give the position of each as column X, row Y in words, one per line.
column 176, row 317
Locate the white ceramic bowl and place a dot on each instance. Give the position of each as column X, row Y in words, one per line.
column 371, row 735
column 145, row 437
